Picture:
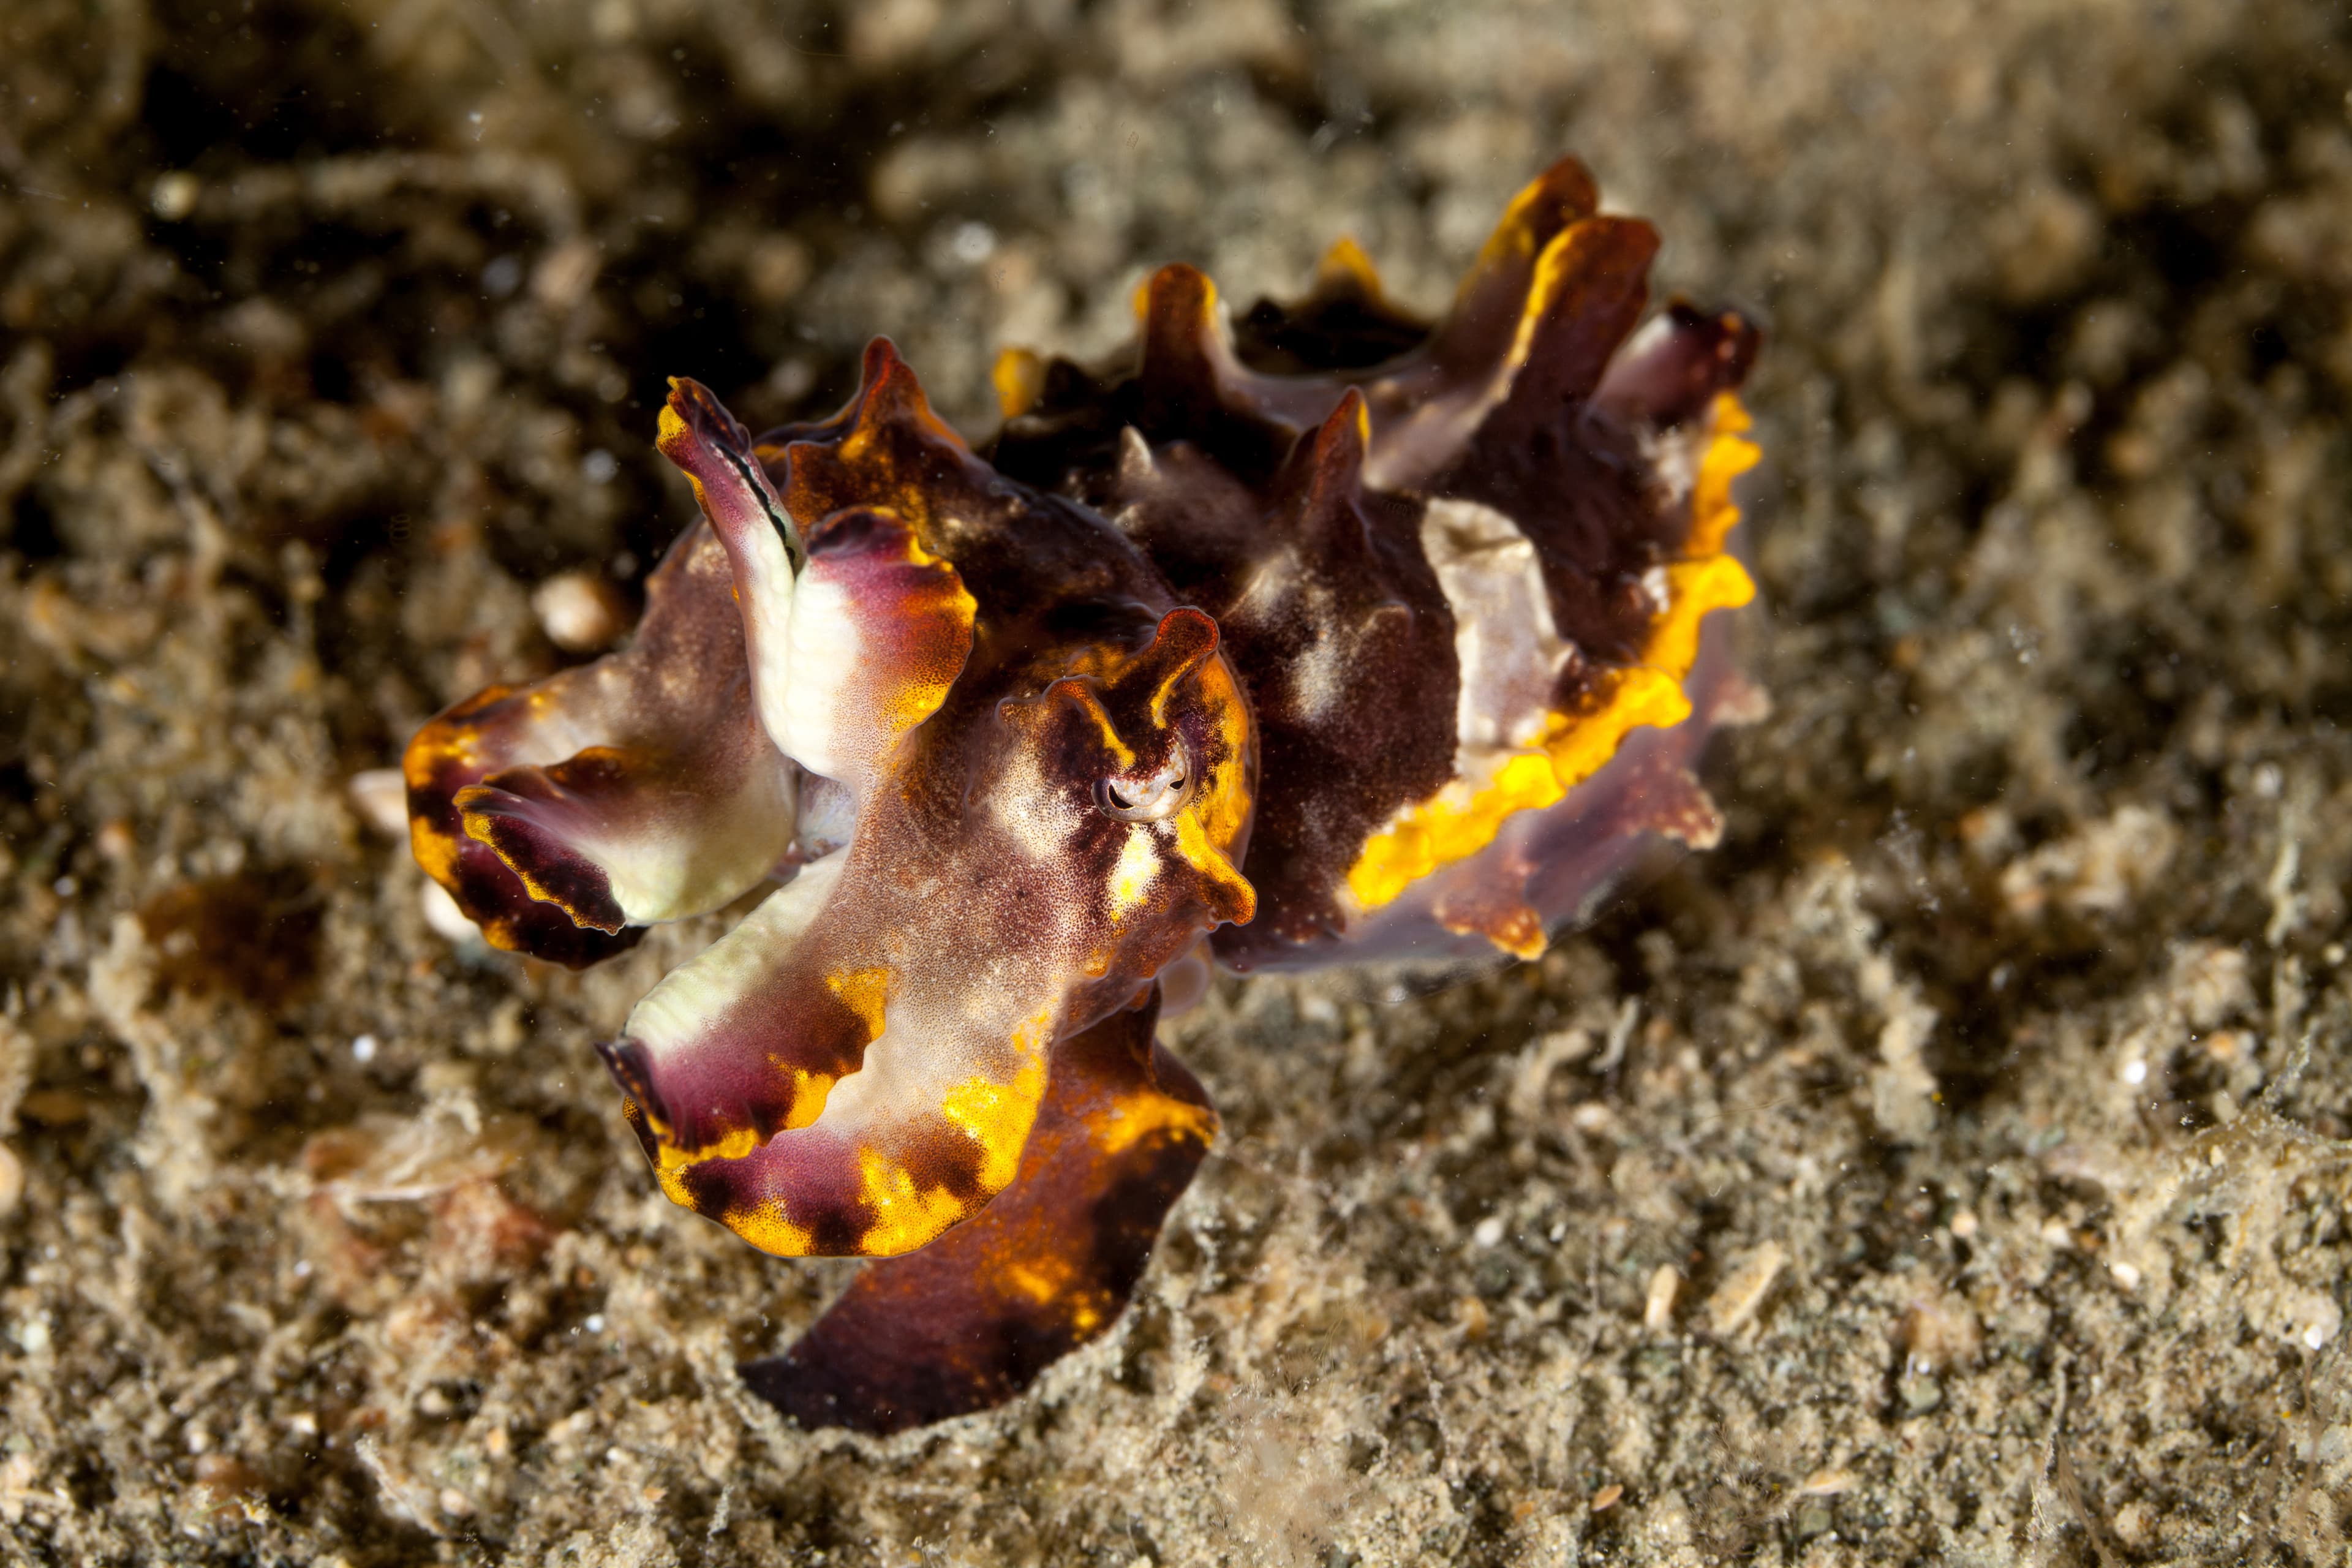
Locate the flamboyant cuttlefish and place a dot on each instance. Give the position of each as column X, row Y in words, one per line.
column 1323, row 636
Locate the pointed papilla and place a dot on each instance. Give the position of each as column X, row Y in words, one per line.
column 1678, row 364
column 1321, row 487
column 1345, row 272
column 886, row 449
column 1591, row 284
column 1486, row 308
column 1184, row 354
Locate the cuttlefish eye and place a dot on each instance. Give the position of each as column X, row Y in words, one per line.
column 1151, row 798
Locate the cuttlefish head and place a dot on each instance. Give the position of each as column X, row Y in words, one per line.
column 1020, row 792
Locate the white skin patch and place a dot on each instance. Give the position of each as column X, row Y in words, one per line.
column 1268, row 589
column 652, row 881
column 1658, row 586
column 764, row 585
column 1318, row 677
column 1137, row 867
column 1674, row 456
column 1510, row 653
column 1034, row 811
column 823, row 650
column 674, row 1014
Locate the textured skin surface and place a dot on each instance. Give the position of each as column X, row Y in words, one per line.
column 971, row 1319
column 1337, row 637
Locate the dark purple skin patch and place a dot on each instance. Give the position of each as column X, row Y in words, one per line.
column 1338, row 635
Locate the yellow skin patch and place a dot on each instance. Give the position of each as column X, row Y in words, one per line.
column 1346, row 262
column 1206, row 855
column 864, row 991
column 907, row 1214
column 766, row 1227
column 1138, row 1116
column 809, row 1092
column 1730, row 454
column 1019, row 378
column 1221, row 809
column 997, row 1116
column 671, row 1168
column 949, row 604
column 459, row 744
column 1459, row 821
column 1040, row 1278
column 1091, row 705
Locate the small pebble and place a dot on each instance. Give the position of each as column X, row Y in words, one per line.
column 226, row 1478
column 1743, row 1291
column 563, row 277
column 12, row 1181
column 579, row 611
column 363, row 1048
column 1920, row 1395
column 442, row 913
column 117, row 842
column 1607, row 1497
column 381, row 798
column 174, row 195
column 1658, row 1310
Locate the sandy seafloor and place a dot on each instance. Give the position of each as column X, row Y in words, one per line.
column 1987, row 1091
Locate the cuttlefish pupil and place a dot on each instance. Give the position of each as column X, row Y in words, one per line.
column 1154, row 797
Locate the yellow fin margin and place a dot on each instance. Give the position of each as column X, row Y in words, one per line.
column 1458, row 822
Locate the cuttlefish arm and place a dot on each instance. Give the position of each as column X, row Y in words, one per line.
column 566, row 815
column 858, row 1066
column 855, row 631
column 971, row 1320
